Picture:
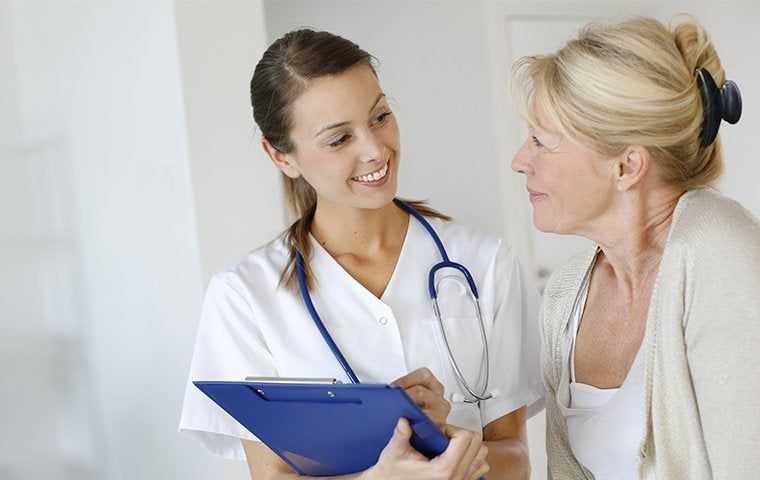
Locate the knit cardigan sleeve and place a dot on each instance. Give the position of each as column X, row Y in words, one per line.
column 722, row 336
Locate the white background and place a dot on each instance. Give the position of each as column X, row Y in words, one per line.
column 130, row 171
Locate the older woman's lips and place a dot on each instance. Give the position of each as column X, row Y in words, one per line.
column 536, row 196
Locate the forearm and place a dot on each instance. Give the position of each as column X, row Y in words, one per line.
column 365, row 475
column 508, row 459
column 264, row 464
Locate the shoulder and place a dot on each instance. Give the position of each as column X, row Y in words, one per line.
column 709, row 227
column 565, row 280
column 258, row 271
column 468, row 243
column 713, row 253
column 707, row 213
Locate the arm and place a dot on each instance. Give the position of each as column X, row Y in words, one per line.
column 515, row 368
column 722, row 334
column 507, row 442
column 268, row 466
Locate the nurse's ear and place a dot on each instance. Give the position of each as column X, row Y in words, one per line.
column 631, row 167
column 281, row 160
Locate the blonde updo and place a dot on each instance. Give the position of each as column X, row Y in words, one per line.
column 629, row 83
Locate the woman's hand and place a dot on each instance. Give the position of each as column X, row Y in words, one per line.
column 427, row 392
column 464, row 459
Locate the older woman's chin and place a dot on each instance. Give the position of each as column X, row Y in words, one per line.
column 550, row 224
column 542, row 225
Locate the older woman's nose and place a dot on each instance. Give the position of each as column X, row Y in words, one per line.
column 521, row 161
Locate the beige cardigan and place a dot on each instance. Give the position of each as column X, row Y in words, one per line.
column 702, row 378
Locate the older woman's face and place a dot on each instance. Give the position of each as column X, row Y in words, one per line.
column 569, row 185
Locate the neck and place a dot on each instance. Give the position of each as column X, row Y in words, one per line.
column 361, row 232
column 632, row 238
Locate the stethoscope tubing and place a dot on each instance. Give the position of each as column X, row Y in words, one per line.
column 445, row 263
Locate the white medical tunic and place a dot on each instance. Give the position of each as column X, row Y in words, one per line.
column 251, row 327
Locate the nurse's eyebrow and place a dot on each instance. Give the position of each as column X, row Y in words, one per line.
column 341, row 124
column 377, row 100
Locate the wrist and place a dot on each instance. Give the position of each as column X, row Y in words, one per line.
column 372, row 473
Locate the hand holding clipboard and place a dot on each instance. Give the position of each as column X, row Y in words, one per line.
column 427, row 392
column 327, row 429
column 465, row 457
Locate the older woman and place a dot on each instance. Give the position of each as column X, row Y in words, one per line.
column 650, row 339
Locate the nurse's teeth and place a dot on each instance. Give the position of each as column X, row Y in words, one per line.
column 372, row 177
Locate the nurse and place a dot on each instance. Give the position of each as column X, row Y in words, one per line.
column 327, row 125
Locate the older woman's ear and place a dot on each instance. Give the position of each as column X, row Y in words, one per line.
column 632, row 167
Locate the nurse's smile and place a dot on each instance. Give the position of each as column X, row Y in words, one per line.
column 376, row 178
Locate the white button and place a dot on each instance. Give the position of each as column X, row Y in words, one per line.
column 382, row 321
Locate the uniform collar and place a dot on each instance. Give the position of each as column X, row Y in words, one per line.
column 329, row 274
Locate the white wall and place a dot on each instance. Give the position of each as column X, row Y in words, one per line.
column 237, row 189
column 101, row 279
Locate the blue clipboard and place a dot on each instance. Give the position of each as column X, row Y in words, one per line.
column 321, row 429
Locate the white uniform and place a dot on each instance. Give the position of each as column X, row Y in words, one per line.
column 250, row 327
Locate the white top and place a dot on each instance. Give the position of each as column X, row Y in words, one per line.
column 250, row 327
column 605, row 427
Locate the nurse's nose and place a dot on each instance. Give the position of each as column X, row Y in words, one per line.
column 371, row 149
column 522, row 161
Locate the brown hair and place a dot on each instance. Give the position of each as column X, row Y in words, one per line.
column 630, row 83
column 282, row 74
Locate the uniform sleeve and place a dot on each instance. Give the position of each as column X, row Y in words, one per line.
column 229, row 346
column 514, row 344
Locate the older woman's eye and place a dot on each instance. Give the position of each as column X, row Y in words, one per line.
column 536, row 141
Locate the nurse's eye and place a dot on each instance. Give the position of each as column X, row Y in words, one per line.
column 536, row 141
column 382, row 118
column 340, row 141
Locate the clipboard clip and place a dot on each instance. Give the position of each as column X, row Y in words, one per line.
column 291, row 380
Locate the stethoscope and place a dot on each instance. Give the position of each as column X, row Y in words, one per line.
column 444, row 264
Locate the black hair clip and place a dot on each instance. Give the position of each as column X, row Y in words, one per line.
column 718, row 104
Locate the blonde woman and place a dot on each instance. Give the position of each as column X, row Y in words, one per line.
column 650, row 338
column 362, row 258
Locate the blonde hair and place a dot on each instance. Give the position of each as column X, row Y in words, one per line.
column 629, row 83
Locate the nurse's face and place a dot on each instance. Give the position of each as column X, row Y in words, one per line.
column 569, row 185
column 346, row 140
